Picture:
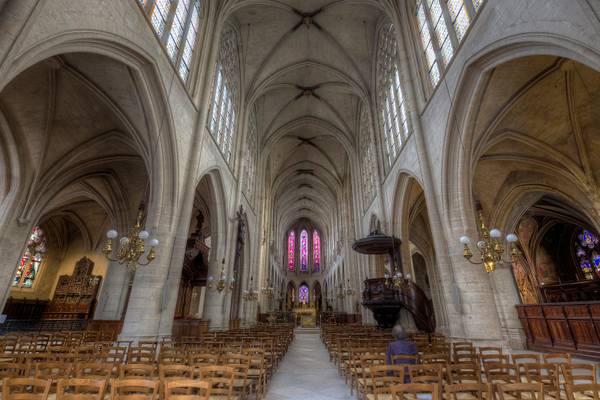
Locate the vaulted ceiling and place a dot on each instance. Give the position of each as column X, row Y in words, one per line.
column 307, row 70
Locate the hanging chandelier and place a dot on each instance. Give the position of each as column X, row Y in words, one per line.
column 250, row 294
column 132, row 246
column 269, row 290
column 349, row 289
column 221, row 284
column 490, row 246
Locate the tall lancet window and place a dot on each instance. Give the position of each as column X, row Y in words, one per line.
column 392, row 105
column 251, row 156
column 291, row 251
column 442, row 25
column 316, row 251
column 367, row 160
column 31, row 260
column 304, row 251
column 222, row 120
column 176, row 24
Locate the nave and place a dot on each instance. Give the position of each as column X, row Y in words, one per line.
column 180, row 174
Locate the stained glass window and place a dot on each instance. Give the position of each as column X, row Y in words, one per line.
column 587, row 250
column 222, row 117
column 316, row 251
column 392, row 107
column 459, row 16
column 291, row 250
column 304, row 294
column 29, row 264
column 442, row 25
column 176, row 25
column 251, row 156
column 304, row 251
column 367, row 159
column 425, row 33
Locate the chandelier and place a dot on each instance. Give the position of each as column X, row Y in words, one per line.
column 222, row 283
column 250, row 294
column 132, row 246
column 349, row 289
column 341, row 293
column 490, row 246
column 269, row 290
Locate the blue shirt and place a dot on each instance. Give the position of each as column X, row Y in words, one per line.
column 400, row 347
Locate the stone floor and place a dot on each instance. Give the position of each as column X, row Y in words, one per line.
column 306, row 373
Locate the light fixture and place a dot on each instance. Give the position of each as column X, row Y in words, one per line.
column 131, row 247
column 341, row 293
column 349, row 289
column 268, row 290
column 491, row 248
column 222, row 284
column 250, row 294
column 394, row 280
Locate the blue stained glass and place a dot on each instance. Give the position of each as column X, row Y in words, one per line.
column 304, row 251
column 304, row 294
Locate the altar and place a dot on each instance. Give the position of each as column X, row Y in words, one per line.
column 306, row 315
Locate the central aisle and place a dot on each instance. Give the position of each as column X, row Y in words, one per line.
column 306, row 373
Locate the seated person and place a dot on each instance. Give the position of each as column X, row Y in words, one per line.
column 401, row 346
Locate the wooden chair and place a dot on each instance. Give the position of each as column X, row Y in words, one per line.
column 137, row 371
column 134, row 389
column 172, row 357
column 526, row 358
column 585, row 391
column 25, row 389
column 494, row 358
column 362, row 379
column 14, row 370
column 240, row 364
column 474, row 391
column 546, row 374
column 529, row 391
column 193, row 389
column 148, row 344
column 200, row 359
column 138, row 355
column 463, row 373
column 435, row 358
column 465, row 357
column 501, row 373
column 382, row 378
column 404, row 359
column 221, row 381
column 52, row 371
column 557, row 358
column 412, row 390
column 257, row 374
column 93, row 370
column 167, row 372
column 80, row 389
column 426, row 373
column 577, row 374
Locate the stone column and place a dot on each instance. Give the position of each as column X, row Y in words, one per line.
column 12, row 244
column 114, row 292
column 149, row 293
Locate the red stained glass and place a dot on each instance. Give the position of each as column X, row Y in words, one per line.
column 316, row 251
column 291, row 250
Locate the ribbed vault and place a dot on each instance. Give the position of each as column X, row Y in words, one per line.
column 307, row 73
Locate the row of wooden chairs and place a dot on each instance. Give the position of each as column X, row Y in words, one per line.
column 480, row 391
column 120, row 389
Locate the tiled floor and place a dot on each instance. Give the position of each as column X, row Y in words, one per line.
column 306, row 373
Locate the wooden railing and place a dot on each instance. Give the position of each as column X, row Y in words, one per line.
column 566, row 327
